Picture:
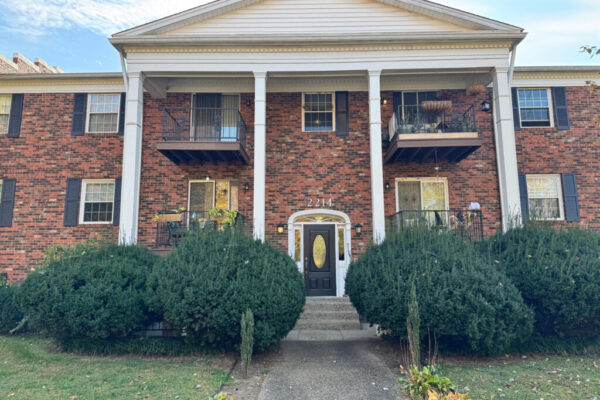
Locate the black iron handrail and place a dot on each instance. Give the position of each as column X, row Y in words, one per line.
column 466, row 223
column 169, row 233
column 203, row 124
column 410, row 119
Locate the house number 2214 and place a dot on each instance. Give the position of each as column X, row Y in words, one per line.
column 319, row 202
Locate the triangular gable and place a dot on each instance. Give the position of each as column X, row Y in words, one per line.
column 315, row 16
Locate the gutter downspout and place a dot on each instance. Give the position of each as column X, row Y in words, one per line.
column 124, row 69
column 511, row 69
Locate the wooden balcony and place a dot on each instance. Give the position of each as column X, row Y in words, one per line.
column 199, row 134
column 422, row 135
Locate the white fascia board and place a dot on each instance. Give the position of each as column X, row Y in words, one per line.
column 62, row 83
column 320, row 39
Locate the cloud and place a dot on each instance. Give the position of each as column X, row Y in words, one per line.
column 34, row 17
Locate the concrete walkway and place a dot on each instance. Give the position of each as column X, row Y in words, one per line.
column 331, row 370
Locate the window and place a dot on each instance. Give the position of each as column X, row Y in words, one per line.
column 205, row 195
column 318, row 111
column 97, row 200
column 5, row 100
column 535, row 107
column 216, row 117
column 416, row 194
column 103, row 113
column 407, row 104
column 545, row 197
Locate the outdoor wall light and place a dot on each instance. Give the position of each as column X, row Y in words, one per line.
column 280, row 228
column 486, row 106
column 246, row 186
column 384, row 102
column 387, row 185
column 248, row 103
column 358, row 229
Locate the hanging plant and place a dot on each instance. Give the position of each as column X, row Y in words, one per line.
column 437, row 105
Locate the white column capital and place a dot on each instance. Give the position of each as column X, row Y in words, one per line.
column 501, row 70
column 374, row 72
column 260, row 74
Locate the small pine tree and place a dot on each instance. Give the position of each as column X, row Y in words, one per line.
column 247, row 340
column 413, row 324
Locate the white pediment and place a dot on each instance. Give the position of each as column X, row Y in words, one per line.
column 314, row 17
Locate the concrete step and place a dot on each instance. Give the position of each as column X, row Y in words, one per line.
column 318, row 314
column 328, row 305
column 332, row 324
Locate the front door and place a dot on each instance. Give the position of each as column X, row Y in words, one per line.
column 319, row 260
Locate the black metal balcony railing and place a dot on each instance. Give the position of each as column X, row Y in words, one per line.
column 420, row 119
column 169, row 233
column 468, row 224
column 202, row 124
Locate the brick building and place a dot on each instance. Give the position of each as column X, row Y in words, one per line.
column 323, row 126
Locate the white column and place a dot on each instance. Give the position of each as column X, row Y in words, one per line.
column 506, row 151
column 132, row 160
column 260, row 143
column 376, row 156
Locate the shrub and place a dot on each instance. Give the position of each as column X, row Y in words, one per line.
column 10, row 316
column 96, row 294
column 462, row 298
column 558, row 274
column 213, row 277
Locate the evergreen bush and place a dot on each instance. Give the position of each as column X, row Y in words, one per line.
column 213, row 277
column 10, row 316
column 98, row 293
column 462, row 298
column 558, row 274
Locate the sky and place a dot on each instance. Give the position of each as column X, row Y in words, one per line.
column 73, row 33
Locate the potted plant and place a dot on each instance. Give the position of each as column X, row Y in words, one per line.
column 169, row 215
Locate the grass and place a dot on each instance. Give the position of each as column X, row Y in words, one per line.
column 526, row 377
column 32, row 368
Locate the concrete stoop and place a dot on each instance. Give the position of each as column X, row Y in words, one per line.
column 329, row 318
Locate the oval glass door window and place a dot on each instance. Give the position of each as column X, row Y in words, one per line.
column 319, row 251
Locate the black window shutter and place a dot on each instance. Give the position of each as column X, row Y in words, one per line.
column 341, row 114
column 561, row 109
column 16, row 116
column 569, row 183
column 117, row 203
column 122, row 114
column 516, row 112
column 79, row 111
column 72, row 201
column 8, row 202
column 524, row 196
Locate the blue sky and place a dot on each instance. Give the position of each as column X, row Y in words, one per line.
column 73, row 33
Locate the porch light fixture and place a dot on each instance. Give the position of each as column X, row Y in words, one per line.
column 358, row 229
column 384, row 102
column 280, row 228
column 387, row 185
column 248, row 103
column 246, row 186
column 486, row 106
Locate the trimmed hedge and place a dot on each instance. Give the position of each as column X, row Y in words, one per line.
column 462, row 297
column 213, row 277
column 10, row 316
column 98, row 294
column 558, row 274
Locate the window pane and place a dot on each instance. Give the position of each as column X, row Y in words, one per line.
column 544, row 208
column 104, row 113
column 409, row 196
column 434, row 196
column 104, row 103
column 297, row 244
column 341, row 255
column 533, row 98
column 104, row 123
column 233, row 195
column 229, row 117
column 222, row 195
column 318, row 112
column 201, row 198
column 5, row 101
column 542, row 186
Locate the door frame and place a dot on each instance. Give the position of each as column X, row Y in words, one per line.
column 343, row 222
column 330, row 253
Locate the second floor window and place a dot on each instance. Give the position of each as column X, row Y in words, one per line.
column 535, row 107
column 5, row 101
column 103, row 113
column 318, row 112
column 216, row 117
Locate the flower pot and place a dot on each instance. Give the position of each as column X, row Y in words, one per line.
column 437, row 105
column 476, row 89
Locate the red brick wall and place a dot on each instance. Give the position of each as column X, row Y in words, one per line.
column 474, row 179
column 550, row 151
column 41, row 160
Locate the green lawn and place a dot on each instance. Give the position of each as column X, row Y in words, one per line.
column 523, row 378
column 31, row 368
